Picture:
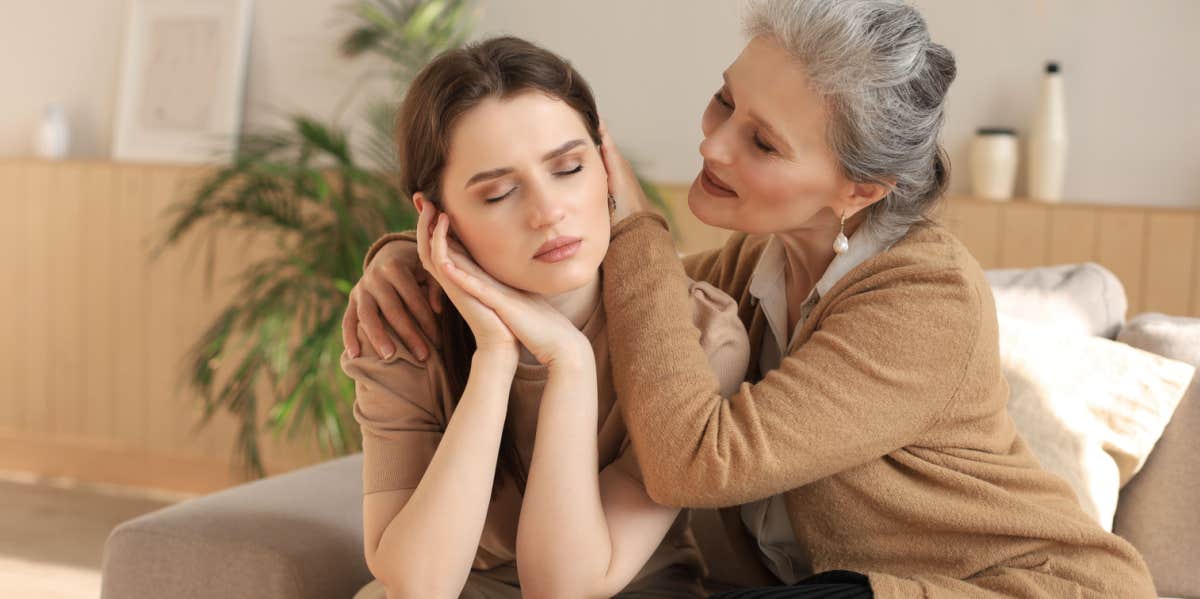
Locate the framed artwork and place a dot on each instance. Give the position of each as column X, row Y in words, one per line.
column 182, row 81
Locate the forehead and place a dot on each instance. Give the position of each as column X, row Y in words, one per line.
column 504, row 132
column 769, row 82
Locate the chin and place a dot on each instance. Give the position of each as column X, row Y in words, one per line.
column 565, row 282
column 700, row 203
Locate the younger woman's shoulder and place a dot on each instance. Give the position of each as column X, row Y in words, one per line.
column 722, row 334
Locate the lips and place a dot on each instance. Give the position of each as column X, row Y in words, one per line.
column 555, row 244
column 714, row 185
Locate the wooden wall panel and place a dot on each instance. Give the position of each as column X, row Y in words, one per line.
column 1024, row 243
column 1072, row 234
column 979, row 226
column 65, row 300
column 14, row 317
column 130, row 284
column 99, row 307
column 1196, row 269
column 1170, row 262
column 1121, row 248
column 38, row 404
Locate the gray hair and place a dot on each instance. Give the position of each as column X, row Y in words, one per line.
column 886, row 84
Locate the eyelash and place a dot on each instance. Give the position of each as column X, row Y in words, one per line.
column 558, row 174
column 755, row 139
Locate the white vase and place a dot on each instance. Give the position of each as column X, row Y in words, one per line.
column 1048, row 140
column 53, row 134
column 993, row 162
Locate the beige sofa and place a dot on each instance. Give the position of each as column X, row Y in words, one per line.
column 299, row 536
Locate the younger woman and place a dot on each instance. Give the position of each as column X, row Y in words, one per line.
column 499, row 146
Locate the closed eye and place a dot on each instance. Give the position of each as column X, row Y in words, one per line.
column 721, row 101
column 569, row 172
column 500, row 197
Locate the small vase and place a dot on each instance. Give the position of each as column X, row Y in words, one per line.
column 53, row 134
column 993, row 160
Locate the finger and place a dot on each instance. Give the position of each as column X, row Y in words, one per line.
column 350, row 328
column 368, row 315
column 392, row 308
column 437, row 248
column 461, row 259
column 414, row 300
column 425, row 220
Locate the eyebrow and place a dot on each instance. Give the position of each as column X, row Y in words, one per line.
column 500, row 172
column 759, row 120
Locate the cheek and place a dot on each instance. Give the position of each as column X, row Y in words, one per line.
column 490, row 251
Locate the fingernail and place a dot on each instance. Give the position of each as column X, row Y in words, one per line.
column 388, row 352
column 422, row 353
column 354, row 353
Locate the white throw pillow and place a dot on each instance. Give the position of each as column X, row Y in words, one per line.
column 1090, row 408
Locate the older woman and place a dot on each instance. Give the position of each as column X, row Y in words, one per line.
column 869, row 451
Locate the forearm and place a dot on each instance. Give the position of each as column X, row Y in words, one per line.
column 563, row 543
column 430, row 544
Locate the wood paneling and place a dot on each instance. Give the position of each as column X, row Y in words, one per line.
column 980, row 227
column 1026, row 234
column 94, row 370
column 1121, row 247
column 1072, row 234
column 14, row 275
column 1170, row 262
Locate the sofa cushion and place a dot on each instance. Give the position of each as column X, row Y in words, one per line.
column 1159, row 511
column 1080, row 298
column 1090, row 408
column 296, row 535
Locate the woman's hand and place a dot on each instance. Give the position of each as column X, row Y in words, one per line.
column 622, row 181
column 544, row 331
column 396, row 286
column 434, row 248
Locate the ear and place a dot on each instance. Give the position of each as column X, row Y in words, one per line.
column 418, row 200
column 862, row 195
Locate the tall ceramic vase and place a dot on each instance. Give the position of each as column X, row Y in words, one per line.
column 1048, row 140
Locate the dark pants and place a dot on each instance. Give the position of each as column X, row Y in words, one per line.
column 835, row 584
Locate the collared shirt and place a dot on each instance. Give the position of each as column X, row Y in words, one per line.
column 767, row 520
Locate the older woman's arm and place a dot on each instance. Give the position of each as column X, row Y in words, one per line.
column 887, row 359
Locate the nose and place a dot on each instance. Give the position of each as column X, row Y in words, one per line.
column 544, row 208
column 717, row 146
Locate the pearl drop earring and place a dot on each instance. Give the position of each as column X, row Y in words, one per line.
column 841, row 243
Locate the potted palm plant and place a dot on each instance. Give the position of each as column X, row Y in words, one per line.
column 323, row 202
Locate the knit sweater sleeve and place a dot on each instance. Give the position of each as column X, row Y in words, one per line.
column 409, row 236
column 398, row 406
column 885, row 360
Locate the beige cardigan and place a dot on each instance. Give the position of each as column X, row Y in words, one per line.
column 886, row 427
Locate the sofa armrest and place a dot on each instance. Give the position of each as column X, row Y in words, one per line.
column 296, row 535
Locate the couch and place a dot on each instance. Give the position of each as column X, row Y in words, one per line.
column 298, row 535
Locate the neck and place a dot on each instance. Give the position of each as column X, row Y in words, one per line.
column 809, row 251
column 577, row 305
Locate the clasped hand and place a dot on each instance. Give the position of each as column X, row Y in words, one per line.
column 500, row 317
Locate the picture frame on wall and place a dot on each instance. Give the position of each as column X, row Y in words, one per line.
column 182, row 80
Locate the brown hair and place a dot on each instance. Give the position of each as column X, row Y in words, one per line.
column 447, row 88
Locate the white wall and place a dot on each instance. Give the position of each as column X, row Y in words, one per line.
column 1131, row 71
